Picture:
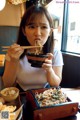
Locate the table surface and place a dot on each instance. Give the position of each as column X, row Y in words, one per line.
column 73, row 94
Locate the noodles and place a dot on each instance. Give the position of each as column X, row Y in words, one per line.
column 38, row 50
column 50, row 97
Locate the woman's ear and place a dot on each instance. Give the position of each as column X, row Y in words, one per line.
column 51, row 30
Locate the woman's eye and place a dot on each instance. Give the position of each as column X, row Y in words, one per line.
column 44, row 27
column 31, row 26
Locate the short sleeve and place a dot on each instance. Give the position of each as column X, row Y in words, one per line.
column 57, row 59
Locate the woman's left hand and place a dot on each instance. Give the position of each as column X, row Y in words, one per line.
column 47, row 65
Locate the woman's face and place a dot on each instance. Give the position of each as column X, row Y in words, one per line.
column 38, row 30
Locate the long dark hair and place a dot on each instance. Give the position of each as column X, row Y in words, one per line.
column 30, row 15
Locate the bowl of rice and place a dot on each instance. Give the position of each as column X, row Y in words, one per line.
column 10, row 93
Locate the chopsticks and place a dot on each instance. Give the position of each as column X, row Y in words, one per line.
column 24, row 47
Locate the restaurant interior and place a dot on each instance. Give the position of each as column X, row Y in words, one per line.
column 10, row 17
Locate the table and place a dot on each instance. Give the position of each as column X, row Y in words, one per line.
column 73, row 94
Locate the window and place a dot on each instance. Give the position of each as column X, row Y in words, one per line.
column 66, row 24
column 56, row 9
column 71, row 29
column 73, row 36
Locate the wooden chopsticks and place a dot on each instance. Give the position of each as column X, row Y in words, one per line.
column 24, row 47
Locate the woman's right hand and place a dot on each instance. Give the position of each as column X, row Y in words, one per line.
column 15, row 52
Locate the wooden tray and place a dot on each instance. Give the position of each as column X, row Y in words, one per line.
column 16, row 102
column 51, row 112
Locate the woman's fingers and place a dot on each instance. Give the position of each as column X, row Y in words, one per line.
column 49, row 59
column 15, row 51
column 48, row 62
column 47, row 67
column 50, row 55
column 15, row 47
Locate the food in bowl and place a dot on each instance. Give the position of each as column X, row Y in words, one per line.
column 37, row 50
column 10, row 94
column 36, row 56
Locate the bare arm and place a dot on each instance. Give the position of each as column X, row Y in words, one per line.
column 54, row 74
column 9, row 76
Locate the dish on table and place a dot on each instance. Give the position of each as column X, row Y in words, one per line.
column 50, row 97
column 13, row 107
column 10, row 93
column 50, row 103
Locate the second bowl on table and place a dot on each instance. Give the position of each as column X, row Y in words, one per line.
column 9, row 94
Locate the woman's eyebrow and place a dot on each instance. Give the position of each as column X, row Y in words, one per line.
column 36, row 24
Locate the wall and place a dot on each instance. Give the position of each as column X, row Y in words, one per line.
column 11, row 15
column 8, row 36
column 10, row 18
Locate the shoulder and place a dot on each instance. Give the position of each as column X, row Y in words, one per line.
column 57, row 52
column 58, row 58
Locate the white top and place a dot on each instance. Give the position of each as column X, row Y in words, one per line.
column 29, row 77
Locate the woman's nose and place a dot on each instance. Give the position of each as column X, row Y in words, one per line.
column 37, row 31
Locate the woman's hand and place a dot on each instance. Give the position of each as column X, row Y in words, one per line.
column 54, row 74
column 48, row 62
column 15, row 52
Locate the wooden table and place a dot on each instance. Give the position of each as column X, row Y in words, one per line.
column 73, row 94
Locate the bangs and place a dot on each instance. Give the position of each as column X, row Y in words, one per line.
column 35, row 12
column 33, row 17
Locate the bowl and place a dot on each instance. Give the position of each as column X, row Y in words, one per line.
column 36, row 60
column 9, row 94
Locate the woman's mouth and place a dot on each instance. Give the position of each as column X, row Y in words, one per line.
column 37, row 41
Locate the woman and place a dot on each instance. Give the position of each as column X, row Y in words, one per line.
column 36, row 26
